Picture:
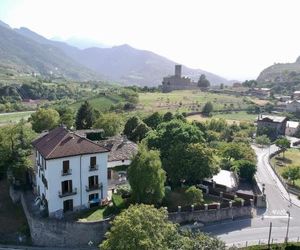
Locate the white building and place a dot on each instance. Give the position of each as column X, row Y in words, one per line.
column 291, row 128
column 293, row 106
column 71, row 171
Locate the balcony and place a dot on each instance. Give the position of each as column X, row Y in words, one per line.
column 68, row 172
column 94, row 187
column 93, row 168
column 67, row 193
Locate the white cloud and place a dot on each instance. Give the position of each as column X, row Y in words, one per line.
column 233, row 38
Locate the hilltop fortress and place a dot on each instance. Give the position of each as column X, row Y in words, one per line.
column 177, row 82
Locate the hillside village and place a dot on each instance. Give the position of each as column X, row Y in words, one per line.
column 121, row 148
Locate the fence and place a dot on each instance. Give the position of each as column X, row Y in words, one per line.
column 262, row 242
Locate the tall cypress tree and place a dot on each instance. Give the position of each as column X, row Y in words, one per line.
column 85, row 116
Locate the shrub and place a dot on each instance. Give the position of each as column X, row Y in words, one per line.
column 194, row 196
column 118, row 202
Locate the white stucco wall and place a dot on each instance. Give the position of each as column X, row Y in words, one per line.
column 79, row 166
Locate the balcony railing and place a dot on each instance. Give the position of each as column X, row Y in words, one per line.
column 93, row 168
column 94, row 187
column 67, row 193
column 68, row 172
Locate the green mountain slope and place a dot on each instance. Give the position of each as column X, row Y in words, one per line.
column 23, row 55
column 123, row 64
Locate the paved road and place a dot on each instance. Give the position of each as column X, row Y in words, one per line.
column 278, row 203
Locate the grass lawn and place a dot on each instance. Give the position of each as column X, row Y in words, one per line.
column 187, row 101
column 95, row 214
column 100, row 213
column 234, row 117
column 292, row 157
column 12, row 218
column 14, row 117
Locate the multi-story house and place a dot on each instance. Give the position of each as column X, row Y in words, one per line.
column 71, row 171
column 271, row 125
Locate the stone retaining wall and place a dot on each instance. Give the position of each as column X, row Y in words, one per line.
column 213, row 215
column 59, row 233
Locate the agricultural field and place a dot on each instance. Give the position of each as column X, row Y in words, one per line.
column 14, row 117
column 231, row 118
column 101, row 103
column 189, row 101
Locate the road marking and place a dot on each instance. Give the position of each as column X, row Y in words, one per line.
column 279, row 212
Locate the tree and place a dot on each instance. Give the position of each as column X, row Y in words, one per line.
column 130, row 126
column 173, row 133
column 140, row 132
column 44, row 119
column 15, row 147
column 141, row 227
column 203, row 82
column 207, row 109
column 194, row 196
column 146, row 177
column 291, row 173
column 246, row 169
column 263, row 140
column 109, row 122
column 189, row 163
column 67, row 116
column 283, row 143
column 168, row 117
column 238, row 151
column 153, row 120
column 85, row 117
column 195, row 240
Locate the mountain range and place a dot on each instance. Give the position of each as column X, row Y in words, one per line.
column 26, row 51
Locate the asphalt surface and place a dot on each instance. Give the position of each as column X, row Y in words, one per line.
column 279, row 203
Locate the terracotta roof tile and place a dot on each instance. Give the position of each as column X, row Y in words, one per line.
column 120, row 148
column 60, row 142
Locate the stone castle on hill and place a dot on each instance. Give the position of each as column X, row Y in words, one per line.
column 177, row 82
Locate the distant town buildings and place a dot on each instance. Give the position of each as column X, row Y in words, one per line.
column 261, row 92
column 296, row 95
column 292, row 128
column 177, row 82
column 293, row 106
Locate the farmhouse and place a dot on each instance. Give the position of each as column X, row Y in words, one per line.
column 271, row 125
column 119, row 158
column 71, row 172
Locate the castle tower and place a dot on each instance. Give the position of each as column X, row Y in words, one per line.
column 178, row 71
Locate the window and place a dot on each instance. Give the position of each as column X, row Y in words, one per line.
column 94, row 197
column 68, row 205
column 44, row 180
column 66, row 167
column 66, row 186
column 93, row 181
column 93, row 161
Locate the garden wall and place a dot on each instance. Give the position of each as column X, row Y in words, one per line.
column 213, row 215
column 59, row 233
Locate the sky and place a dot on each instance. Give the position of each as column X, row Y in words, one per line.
column 235, row 39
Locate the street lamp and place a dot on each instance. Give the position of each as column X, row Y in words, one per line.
column 288, row 226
